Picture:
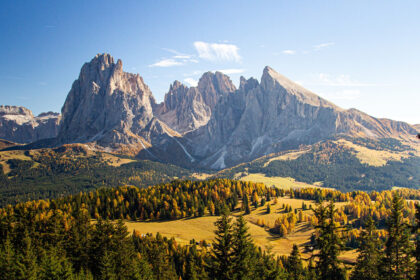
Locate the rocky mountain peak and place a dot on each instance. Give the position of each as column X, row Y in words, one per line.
column 107, row 105
column 15, row 110
column 104, row 60
column 18, row 124
column 246, row 85
column 272, row 81
column 215, row 83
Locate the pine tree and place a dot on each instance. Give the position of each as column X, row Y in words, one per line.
column 54, row 267
column 367, row 266
column 190, row 270
column 242, row 250
column 221, row 258
column 294, row 264
column 397, row 262
column 416, row 230
column 27, row 268
column 106, row 267
column 7, row 260
column 329, row 244
column 246, row 205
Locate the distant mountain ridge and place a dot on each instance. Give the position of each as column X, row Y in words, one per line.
column 214, row 125
column 18, row 124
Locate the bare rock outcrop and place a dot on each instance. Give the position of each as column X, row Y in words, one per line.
column 278, row 114
column 110, row 108
column 18, row 124
column 185, row 109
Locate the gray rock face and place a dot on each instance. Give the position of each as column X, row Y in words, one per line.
column 110, row 107
column 19, row 125
column 274, row 115
column 185, row 109
column 213, row 125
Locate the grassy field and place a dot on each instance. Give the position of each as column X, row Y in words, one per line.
column 114, row 160
column 202, row 228
column 6, row 155
column 373, row 157
column 278, row 182
column 288, row 156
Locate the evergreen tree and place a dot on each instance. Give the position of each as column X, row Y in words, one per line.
column 191, row 270
column 329, row 244
column 221, row 257
column 397, row 263
column 367, row 266
column 7, row 261
column 294, row 265
column 242, row 250
column 54, row 267
column 27, row 268
column 106, row 267
column 246, row 205
column 416, row 230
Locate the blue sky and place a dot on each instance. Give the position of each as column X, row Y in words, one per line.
column 361, row 54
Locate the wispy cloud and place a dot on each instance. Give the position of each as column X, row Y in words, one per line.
column 177, row 59
column 289, row 52
column 191, row 82
column 323, row 45
column 231, row 71
column 168, row 62
column 217, row 52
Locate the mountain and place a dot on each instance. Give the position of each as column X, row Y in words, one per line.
column 18, row 124
column 110, row 108
column 185, row 109
column 211, row 126
column 344, row 163
column 278, row 114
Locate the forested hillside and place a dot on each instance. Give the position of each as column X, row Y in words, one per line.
column 347, row 164
column 50, row 173
column 56, row 239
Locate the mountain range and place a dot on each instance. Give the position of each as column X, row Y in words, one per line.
column 211, row 126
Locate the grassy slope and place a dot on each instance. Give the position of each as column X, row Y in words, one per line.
column 202, row 228
column 344, row 164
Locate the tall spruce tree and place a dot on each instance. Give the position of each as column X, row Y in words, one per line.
column 417, row 234
column 221, row 257
column 398, row 263
column 367, row 266
column 329, row 243
column 294, row 265
column 242, row 251
column 7, row 260
column 27, row 267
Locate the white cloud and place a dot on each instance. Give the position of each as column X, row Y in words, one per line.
column 182, row 56
column 191, row 82
column 168, row 62
column 231, row 71
column 339, row 80
column 323, row 45
column 217, row 52
column 289, row 52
